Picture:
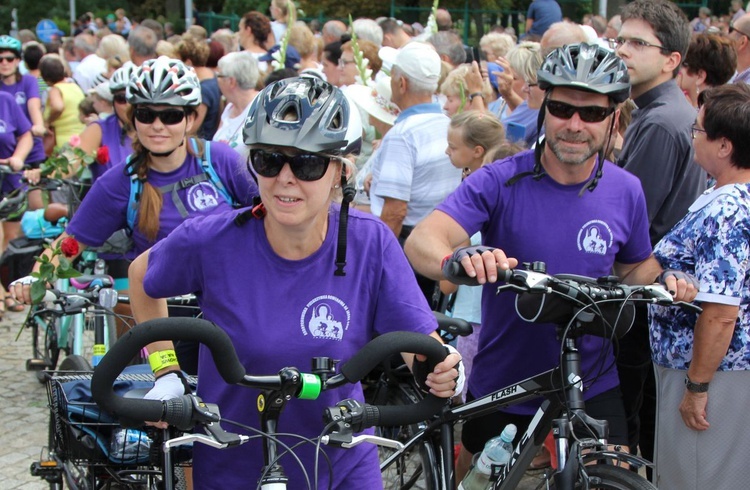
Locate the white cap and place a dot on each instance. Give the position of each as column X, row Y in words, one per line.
column 102, row 90
column 375, row 101
column 419, row 61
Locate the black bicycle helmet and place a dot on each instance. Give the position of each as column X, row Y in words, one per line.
column 305, row 113
column 587, row 67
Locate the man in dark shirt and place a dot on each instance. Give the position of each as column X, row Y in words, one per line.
column 541, row 15
column 653, row 41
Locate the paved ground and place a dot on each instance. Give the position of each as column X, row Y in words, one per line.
column 23, row 409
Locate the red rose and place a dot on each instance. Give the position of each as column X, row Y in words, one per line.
column 69, row 247
column 102, row 155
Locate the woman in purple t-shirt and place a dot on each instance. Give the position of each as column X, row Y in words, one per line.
column 272, row 278
column 171, row 182
column 111, row 138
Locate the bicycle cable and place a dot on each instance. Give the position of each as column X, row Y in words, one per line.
column 259, row 434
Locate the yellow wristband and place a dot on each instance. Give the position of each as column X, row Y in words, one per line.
column 162, row 359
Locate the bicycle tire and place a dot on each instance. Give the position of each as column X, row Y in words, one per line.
column 609, row 477
column 75, row 362
column 49, row 350
column 412, row 471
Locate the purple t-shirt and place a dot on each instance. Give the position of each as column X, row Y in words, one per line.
column 104, row 210
column 13, row 124
column 546, row 221
column 281, row 313
column 27, row 88
column 117, row 142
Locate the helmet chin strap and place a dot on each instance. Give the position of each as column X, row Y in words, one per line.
column 349, row 192
column 167, row 153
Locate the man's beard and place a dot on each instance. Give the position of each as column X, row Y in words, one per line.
column 572, row 158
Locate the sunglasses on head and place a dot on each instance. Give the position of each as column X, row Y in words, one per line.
column 306, row 166
column 145, row 115
column 8, row 58
column 120, row 99
column 589, row 114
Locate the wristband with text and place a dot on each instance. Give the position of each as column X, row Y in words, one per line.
column 162, row 359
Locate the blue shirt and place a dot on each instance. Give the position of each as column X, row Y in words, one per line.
column 712, row 243
column 544, row 13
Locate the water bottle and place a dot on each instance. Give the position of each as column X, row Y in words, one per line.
column 128, row 445
column 497, row 451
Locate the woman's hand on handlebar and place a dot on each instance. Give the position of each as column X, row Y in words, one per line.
column 20, row 289
column 681, row 285
column 166, row 387
column 33, row 176
column 476, row 264
column 15, row 163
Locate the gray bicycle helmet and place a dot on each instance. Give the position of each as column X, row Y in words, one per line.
column 586, row 67
column 305, row 113
column 164, row 81
column 121, row 77
column 9, row 43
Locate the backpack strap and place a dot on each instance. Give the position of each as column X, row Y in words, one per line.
column 136, row 186
column 208, row 167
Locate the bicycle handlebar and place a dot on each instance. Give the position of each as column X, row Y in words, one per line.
column 177, row 411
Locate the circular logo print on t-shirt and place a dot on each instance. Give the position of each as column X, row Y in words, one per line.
column 595, row 237
column 203, row 196
column 325, row 317
column 3, row 127
column 20, row 98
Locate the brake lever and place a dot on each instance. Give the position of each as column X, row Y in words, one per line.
column 346, row 440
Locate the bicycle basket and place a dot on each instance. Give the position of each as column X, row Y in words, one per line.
column 604, row 318
column 87, row 435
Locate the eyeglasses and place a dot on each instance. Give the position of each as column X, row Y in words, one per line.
column 221, row 75
column 9, row 59
column 120, row 99
column 343, row 62
column 169, row 117
column 635, row 44
column 732, row 29
column 695, row 129
column 589, row 114
column 306, row 166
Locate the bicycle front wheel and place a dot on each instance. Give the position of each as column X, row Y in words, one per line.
column 609, row 477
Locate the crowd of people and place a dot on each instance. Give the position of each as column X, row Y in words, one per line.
column 611, row 146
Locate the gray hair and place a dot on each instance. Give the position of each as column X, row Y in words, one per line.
column 448, row 44
column 369, row 30
column 416, row 85
column 86, row 43
column 142, row 41
column 525, row 59
column 242, row 66
column 497, row 42
column 561, row 33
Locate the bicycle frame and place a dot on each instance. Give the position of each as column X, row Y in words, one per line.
column 548, row 417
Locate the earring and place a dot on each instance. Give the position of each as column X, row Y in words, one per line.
column 337, row 186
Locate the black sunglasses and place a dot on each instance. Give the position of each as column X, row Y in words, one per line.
column 732, row 29
column 120, row 99
column 8, row 58
column 306, row 166
column 589, row 114
column 144, row 115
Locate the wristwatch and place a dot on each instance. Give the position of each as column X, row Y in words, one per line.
column 695, row 387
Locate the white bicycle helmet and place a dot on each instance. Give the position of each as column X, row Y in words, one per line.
column 305, row 113
column 164, row 81
column 121, row 77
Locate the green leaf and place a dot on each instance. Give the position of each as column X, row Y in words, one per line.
column 64, row 265
column 37, row 292
column 46, row 270
column 67, row 274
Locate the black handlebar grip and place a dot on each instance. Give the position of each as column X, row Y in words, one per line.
column 178, row 412
column 392, row 415
column 130, row 344
column 380, row 348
